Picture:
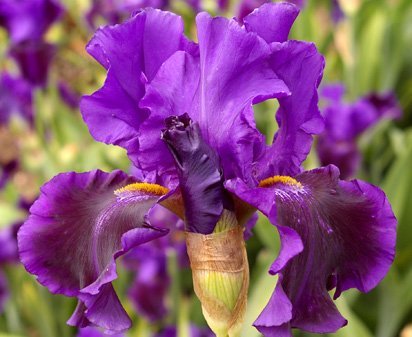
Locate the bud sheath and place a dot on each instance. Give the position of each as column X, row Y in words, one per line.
column 221, row 275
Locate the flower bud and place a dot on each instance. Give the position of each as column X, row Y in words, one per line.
column 221, row 275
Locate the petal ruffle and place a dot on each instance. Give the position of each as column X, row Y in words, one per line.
column 348, row 232
column 272, row 21
column 217, row 89
column 133, row 53
column 300, row 66
column 77, row 229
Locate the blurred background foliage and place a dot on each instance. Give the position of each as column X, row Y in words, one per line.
column 367, row 48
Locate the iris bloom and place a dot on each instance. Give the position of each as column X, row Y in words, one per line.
column 183, row 111
column 26, row 22
column 345, row 122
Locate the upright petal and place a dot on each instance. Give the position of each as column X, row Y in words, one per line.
column 132, row 52
column 341, row 234
column 77, row 228
column 300, row 66
column 272, row 21
column 217, row 89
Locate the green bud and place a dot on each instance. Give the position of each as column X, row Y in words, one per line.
column 221, row 275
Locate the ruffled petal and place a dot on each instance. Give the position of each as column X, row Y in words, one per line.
column 272, row 21
column 79, row 226
column 112, row 115
column 217, row 89
column 230, row 83
column 300, row 66
column 348, row 232
column 133, row 52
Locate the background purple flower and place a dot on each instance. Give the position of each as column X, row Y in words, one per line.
column 28, row 19
column 15, row 98
column 33, row 58
column 344, row 122
column 149, row 262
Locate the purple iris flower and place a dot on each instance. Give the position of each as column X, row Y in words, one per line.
column 15, row 98
column 68, row 95
column 337, row 13
column 345, row 122
column 33, row 58
column 183, row 111
column 114, row 11
column 26, row 22
column 28, row 19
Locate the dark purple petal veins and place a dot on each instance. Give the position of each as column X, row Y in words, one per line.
column 77, row 228
column 200, row 177
column 334, row 234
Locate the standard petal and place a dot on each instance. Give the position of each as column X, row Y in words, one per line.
column 133, row 51
column 348, row 232
column 234, row 74
column 112, row 115
column 300, row 66
column 76, row 230
column 217, row 89
column 272, row 21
